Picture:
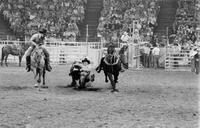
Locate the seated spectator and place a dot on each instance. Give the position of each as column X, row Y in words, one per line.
column 54, row 15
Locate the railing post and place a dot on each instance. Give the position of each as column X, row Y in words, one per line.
column 87, row 37
column 167, row 34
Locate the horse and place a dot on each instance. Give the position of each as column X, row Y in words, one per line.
column 38, row 66
column 15, row 50
column 112, row 64
column 80, row 77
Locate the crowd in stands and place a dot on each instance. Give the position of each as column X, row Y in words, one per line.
column 185, row 25
column 131, row 16
column 60, row 17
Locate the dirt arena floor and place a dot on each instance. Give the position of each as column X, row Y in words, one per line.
column 147, row 99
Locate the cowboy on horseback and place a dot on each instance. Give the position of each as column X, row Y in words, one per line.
column 111, row 52
column 37, row 40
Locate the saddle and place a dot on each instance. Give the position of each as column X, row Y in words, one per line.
column 37, row 50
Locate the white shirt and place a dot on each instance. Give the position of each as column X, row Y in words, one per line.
column 192, row 53
column 156, row 51
column 146, row 50
column 125, row 37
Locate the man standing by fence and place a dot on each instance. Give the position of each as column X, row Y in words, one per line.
column 146, row 55
column 196, row 61
column 193, row 51
column 156, row 53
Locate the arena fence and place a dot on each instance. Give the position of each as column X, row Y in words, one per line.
column 177, row 60
column 64, row 52
column 67, row 52
column 134, row 56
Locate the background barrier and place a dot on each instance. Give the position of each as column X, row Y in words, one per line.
column 177, row 61
column 64, row 52
column 67, row 52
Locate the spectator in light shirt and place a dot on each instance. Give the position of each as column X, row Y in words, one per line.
column 156, row 52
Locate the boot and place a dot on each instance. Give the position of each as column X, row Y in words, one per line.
column 28, row 63
column 47, row 65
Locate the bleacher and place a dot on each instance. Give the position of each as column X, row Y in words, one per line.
column 138, row 18
column 59, row 17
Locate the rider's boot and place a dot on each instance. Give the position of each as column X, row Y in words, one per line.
column 28, row 63
column 47, row 65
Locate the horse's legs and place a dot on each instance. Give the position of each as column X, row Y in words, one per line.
column 98, row 69
column 112, row 82
column 35, row 73
column 39, row 80
column 2, row 58
column 20, row 60
column 6, row 57
column 73, row 83
column 116, row 77
column 43, row 75
column 44, row 78
column 106, row 76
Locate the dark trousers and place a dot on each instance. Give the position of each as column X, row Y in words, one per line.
column 146, row 60
column 156, row 61
column 196, row 65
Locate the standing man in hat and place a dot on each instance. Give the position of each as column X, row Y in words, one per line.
column 196, row 61
column 156, row 53
column 37, row 40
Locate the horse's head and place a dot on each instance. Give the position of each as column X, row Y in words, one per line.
column 37, row 57
column 111, row 49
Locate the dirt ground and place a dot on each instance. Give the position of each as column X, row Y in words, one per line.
column 147, row 99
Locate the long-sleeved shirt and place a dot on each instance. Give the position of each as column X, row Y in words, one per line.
column 156, row 51
column 38, row 39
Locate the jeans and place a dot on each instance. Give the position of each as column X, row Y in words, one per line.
column 156, row 61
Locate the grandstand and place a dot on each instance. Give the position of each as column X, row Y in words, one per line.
column 93, row 20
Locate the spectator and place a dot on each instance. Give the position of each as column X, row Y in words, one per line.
column 156, row 53
column 146, row 55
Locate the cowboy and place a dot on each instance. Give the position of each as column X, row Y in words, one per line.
column 37, row 40
column 196, row 61
column 81, row 67
column 86, row 65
